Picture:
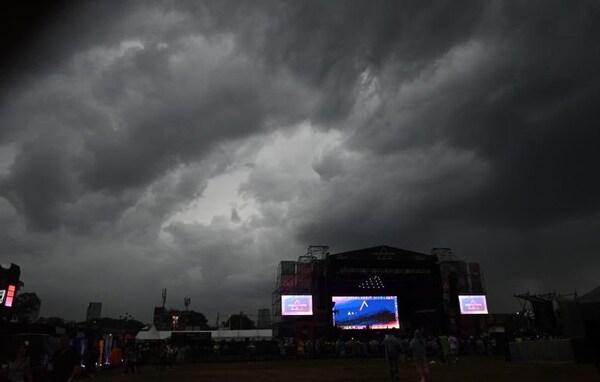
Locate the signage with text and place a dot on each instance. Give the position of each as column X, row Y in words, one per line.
column 473, row 304
column 296, row 305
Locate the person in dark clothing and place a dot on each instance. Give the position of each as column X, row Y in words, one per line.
column 418, row 347
column 392, row 347
column 405, row 351
column 132, row 361
column 91, row 358
column 65, row 362
column 162, row 354
column 18, row 368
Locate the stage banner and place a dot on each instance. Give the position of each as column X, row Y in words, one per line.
column 288, row 283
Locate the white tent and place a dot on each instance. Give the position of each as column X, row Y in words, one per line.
column 228, row 335
column 590, row 297
column 148, row 335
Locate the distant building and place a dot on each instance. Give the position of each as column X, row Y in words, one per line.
column 94, row 311
column 264, row 319
column 163, row 319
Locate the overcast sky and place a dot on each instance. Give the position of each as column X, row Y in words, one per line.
column 192, row 145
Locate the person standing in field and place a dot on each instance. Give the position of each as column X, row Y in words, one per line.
column 418, row 348
column 444, row 347
column 65, row 362
column 17, row 368
column 391, row 347
column 405, row 351
column 454, row 348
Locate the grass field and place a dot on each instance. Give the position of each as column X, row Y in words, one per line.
column 476, row 369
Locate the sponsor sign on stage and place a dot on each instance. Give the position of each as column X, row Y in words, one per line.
column 296, row 305
column 473, row 304
column 355, row 312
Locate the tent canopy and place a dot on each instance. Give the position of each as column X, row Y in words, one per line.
column 591, row 296
column 148, row 335
column 229, row 335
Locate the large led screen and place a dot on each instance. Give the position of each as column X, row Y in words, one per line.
column 296, row 305
column 354, row 312
column 473, row 304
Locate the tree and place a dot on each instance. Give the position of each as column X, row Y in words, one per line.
column 124, row 323
column 52, row 321
column 196, row 320
column 238, row 322
column 27, row 307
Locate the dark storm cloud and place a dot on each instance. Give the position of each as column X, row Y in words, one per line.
column 175, row 122
column 235, row 216
column 235, row 264
column 465, row 124
column 40, row 178
column 512, row 92
column 137, row 111
column 330, row 44
column 520, row 93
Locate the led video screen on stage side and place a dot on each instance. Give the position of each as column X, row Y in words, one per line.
column 355, row 312
column 296, row 305
column 473, row 304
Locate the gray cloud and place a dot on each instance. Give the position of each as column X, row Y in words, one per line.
column 427, row 126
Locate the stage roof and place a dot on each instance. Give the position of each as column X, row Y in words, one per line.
column 384, row 251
